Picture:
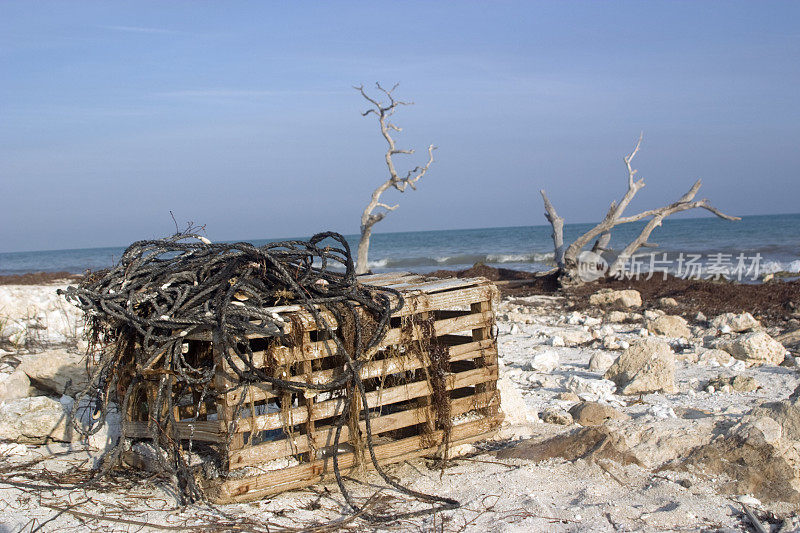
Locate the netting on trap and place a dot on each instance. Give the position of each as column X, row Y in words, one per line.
column 265, row 440
column 253, row 370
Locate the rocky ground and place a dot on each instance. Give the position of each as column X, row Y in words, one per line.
column 622, row 414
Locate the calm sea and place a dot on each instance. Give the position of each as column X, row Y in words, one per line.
column 775, row 237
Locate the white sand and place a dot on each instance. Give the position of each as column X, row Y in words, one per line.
column 496, row 495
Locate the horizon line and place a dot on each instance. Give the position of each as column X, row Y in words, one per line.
column 381, row 233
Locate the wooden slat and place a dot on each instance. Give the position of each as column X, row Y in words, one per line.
column 268, row 451
column 393, row 336
column 418, row 302
column 374, row 279
column 430, row 287
column 206, row 431
column 259, row 486
column 382, row 397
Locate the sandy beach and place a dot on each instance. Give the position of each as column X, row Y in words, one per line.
column 574, row 453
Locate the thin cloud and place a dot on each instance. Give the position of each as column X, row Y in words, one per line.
column 140, row 29
column 237, row 93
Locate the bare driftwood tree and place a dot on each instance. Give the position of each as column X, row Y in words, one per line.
column 567, row 259
column 375, row 211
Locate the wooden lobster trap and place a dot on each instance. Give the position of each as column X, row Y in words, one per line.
column 266, row 441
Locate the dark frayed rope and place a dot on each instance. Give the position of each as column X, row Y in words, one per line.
column 162, row 291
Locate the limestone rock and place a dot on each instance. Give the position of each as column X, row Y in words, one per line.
column 513, row 405
column 738, row 383
column 647, row 444
column 601, row 361
column 668, row 302
column 568, row 397
column 554, row 415
column 715, row 358
column 595, row 414
column 736, row 323
column 58, row 371
column 652, row 314
column 785, row 412
column 669, row 326
column 556, row 340
column 576, row 337
column 756, row 347
column 609, row 343
column 647, row 366
column 35, row 420
column 543, row 362
column 14, row 385
column 626, row 298
column 750, row 459
column 615, row 317
column 590, row 389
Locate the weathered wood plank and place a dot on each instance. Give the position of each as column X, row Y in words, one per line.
column 255, row 487
column 206, row 431
column 416, row 302
column 382, row 397
column 268, row 451
column 393, row 336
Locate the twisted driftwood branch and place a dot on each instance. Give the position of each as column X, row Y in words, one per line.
column 369, row 217
column 567, row 260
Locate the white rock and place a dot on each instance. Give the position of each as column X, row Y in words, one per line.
column 543, row 362
column 626, row 298
column 616, row 317
column 647, row 366
column 669, row 326
column 591, row 389
column 749, row 500
column 14, row 385
column 601, row 361
column 556, row 340
column 574, row 318
column 651, row 314
column 624, row 345
column 514, row 329
column 736, row 323
column 715, row 358
column 591, row 321
column 35, row 420
column 663, row 411
column 12, row 449
column 575, row 337
column 610, row 343
column 58, row 371
column 513, row 405
column 756, row 348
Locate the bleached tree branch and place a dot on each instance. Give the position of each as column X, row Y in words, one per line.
column 368, row 217
column 613, row 218
column 603, row 229
column 558, row 229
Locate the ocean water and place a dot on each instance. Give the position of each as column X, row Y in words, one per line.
column 774, row 238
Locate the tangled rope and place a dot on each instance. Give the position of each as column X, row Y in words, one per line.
column 161, row 291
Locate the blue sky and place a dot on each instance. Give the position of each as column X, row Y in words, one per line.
column 242, row 116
